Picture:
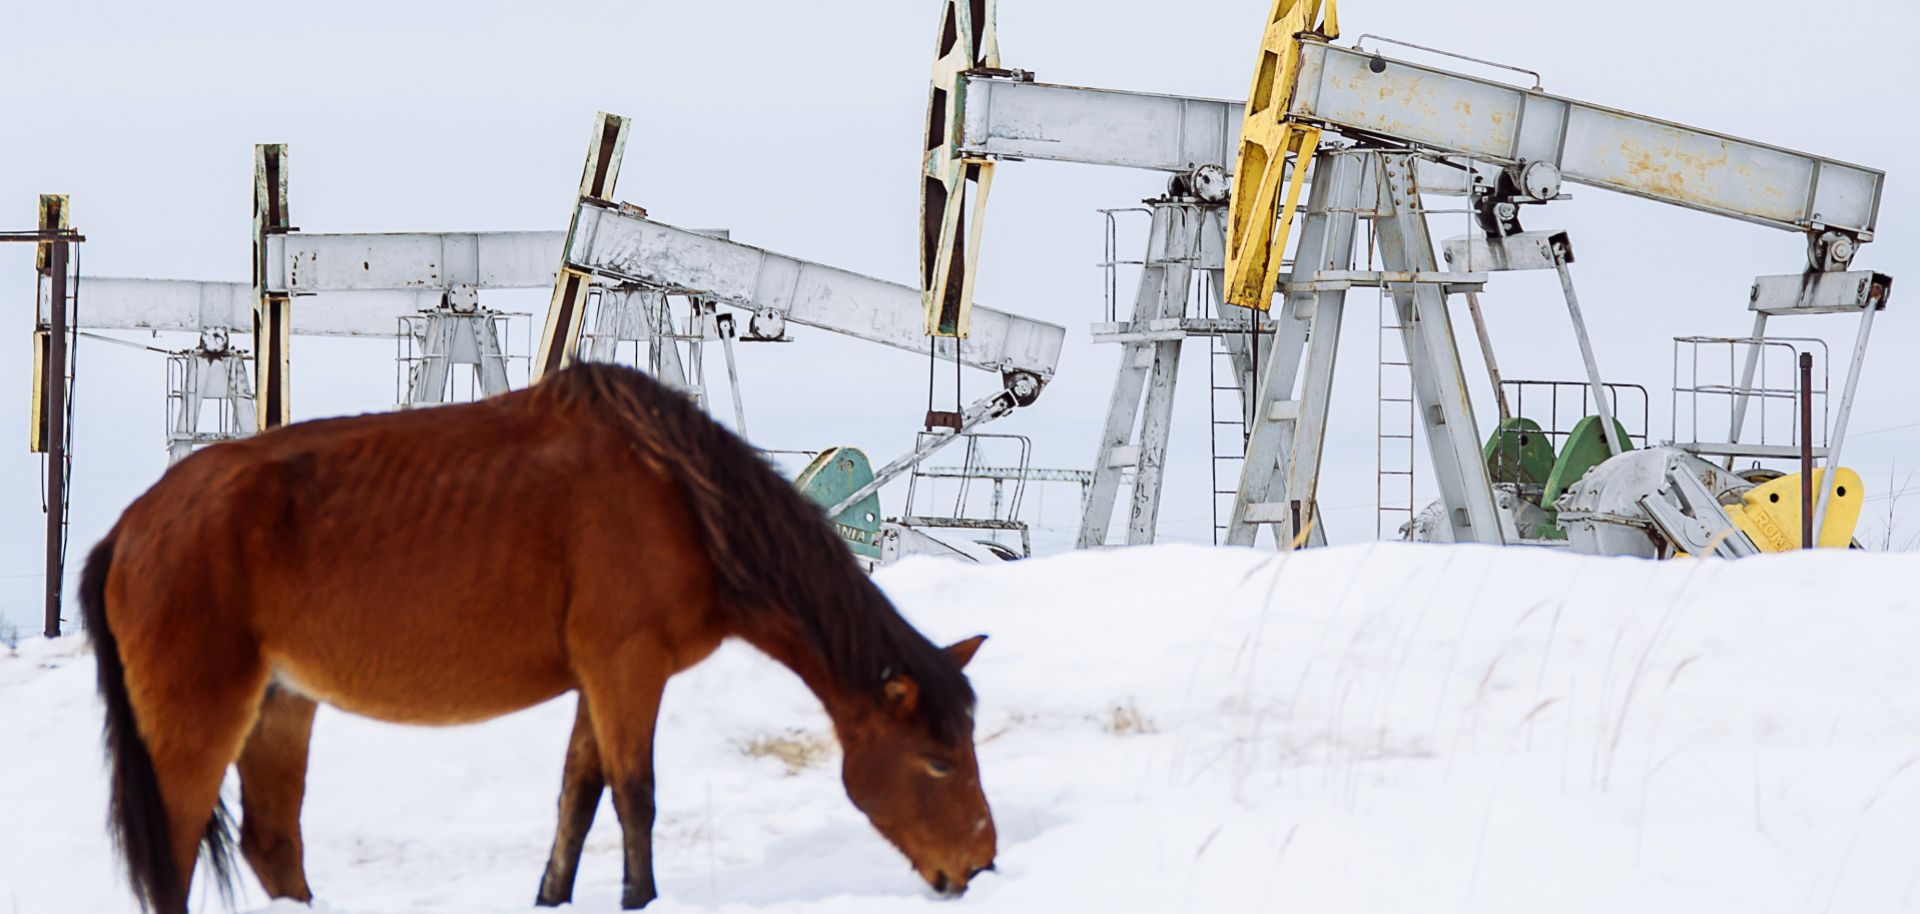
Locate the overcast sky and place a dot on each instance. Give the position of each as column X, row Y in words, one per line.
column 797, row 127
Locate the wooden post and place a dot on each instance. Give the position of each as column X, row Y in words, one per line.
column 570, row 288
column 52, row 264
column 272, row 312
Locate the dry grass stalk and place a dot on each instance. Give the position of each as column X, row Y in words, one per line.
column 1126, row 720
column 797, row 749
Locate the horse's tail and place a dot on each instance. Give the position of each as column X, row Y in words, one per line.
column 135, row 811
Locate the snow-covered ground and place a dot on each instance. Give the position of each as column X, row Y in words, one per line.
column 1370, row 728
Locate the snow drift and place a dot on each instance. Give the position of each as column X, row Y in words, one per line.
column 1371, row 728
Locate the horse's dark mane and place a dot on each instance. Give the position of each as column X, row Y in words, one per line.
column 773, row 549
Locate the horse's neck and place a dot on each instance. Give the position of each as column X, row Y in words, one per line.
column 777, row 636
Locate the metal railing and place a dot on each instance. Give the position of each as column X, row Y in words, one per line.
column 1003, row 510
column 1773, row 391
column 412, row 355
column 1570, row 401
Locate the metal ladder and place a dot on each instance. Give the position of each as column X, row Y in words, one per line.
column 1289, row 404
column 1393, row 426
column 1227, row 437
column 1280, row 479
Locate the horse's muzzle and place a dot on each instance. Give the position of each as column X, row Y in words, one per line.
column 948, row 888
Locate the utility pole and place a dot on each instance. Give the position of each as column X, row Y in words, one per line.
column 47, row 423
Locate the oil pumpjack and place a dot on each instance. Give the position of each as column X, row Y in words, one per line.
column 1334, row 136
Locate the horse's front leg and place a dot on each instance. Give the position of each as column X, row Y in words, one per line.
column 633, row 800
column 580, row 787
column 623, row 699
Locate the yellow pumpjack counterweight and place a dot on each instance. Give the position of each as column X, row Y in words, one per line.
column 1769, row 513
column 1260, row 216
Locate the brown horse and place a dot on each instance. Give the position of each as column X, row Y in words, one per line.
column 597, row 532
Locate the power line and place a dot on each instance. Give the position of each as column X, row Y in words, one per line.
column 1907, row 491
column 1890, row 428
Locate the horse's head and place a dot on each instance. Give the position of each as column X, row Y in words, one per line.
column 922, row 793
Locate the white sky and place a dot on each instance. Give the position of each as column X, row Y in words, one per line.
column 797, row 127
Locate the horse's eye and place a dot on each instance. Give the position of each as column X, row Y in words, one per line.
column 938, row 768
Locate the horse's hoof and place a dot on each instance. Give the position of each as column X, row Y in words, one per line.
column 634, row 901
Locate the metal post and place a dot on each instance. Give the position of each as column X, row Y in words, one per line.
column 1806, row 450
column 724, row 325
column 1486, row 351
column 1156, row 416
column 699, row 319
column 56, row 426
column 1446, row 412
column 1287, row 427
column 1560, row 259
column 1740, row 395
column 1846, row 407
column 1117, row 451
column 985, row 409
column 657, row 311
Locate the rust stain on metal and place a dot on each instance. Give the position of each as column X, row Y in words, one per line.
column 1706, row 177
column 1411, row 93
column 1673, row 172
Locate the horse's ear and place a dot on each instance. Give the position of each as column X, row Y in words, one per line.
column 962, row 651
column 902, row 694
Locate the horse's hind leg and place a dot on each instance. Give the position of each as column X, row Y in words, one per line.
column 580, row 787
column 273, row 783
column 194, row 718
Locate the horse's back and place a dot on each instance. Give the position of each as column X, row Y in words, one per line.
column 416, row 567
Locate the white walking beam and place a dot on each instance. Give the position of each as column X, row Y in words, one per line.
column 309, row 263
column 183, row 305
column 346, row 284
column 1445, row 112
column 1359, row 94
column 619, row 244
column 1054, row 123
column 191, row 306
column 1017, row 119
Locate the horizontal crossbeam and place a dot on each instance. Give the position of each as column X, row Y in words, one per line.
column 1007, row 474
column 1172, row 328
column 1819, row 293
column 1340, row 280
column 1740, row 449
